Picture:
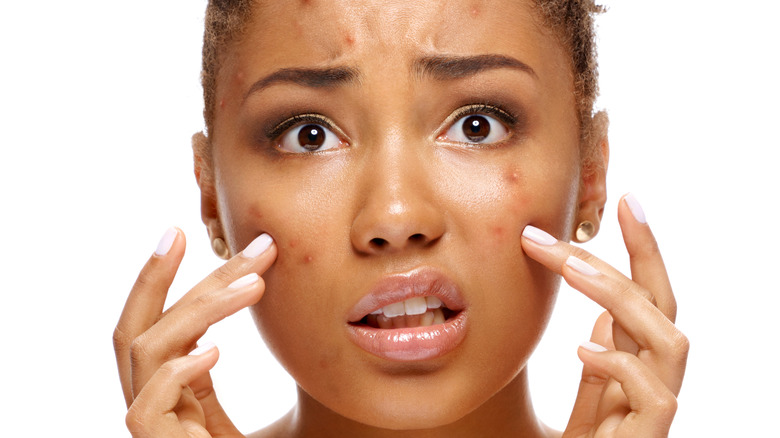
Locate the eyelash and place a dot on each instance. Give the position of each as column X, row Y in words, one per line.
column 279, row 129
column 483, row 108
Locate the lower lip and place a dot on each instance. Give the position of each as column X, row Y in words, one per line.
column 411, row 344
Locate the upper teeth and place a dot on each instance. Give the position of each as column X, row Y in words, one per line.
column 412, row 306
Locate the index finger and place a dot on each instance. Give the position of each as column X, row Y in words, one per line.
column 257, row 257
column 647, row 265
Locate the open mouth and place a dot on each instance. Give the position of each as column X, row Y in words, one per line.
column 414, row 316
column 410, row 313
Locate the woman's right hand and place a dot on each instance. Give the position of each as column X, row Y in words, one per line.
column 165, row 378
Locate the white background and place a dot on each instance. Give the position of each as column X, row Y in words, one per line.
column 98, row 101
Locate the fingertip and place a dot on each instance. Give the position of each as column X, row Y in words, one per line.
column 637, row 212
column 166, row 241
column 204, row 348
column 593, row 347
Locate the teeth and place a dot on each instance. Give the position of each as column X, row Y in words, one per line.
column 438, row 316
column 427, row 319
column 412, row 306
column 432, row 302
column 415, row 306
column 395, row 309
column 384, row 322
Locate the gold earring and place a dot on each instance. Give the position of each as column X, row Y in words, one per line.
column 220, row 248
column 585, row 231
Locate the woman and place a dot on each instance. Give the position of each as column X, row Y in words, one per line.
column 405, row 177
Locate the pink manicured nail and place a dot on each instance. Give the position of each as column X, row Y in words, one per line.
column 539, row 236
column 258, row 246
column 635, row 208
column 246, row 280
column 580, row 266
column 207, row 346
column 166, row 242
column 592, row 346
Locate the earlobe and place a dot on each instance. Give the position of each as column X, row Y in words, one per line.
column 593, row 186
column 204, row 175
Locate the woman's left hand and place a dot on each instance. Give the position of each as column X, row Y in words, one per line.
column 635, row 362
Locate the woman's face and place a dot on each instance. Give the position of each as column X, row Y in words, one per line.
column 395, row 151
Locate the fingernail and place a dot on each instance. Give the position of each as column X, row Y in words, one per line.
column 166, row 242
column 635, row 208
column 580, row 266
column 258, row 246
column 592, row 346
column 539, row 236
column 246, row 280
column 207, row 346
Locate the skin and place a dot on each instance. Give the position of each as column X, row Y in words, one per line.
column 398, row 192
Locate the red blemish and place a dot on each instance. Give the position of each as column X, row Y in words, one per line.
column 498, row 231
column 222, row 103
column 349, row 39
column 308, row 259
column 293, row 243
column 512, row 176
column 474, row 11
column 256, row 212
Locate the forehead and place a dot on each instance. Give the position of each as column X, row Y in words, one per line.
column 385, row 33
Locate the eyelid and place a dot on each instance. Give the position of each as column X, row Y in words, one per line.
column 300, row 119
column 482, row 108
column 503, row 116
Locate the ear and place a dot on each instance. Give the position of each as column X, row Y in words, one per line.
column 593, row 186
column 204, row 175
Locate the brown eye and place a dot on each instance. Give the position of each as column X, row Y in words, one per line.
column 311, row 137
column 476, row 128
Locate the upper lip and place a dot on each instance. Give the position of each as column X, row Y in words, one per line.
column 420, row 282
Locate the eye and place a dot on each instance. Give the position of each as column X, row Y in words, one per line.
column 473, row 126
column 306, row 133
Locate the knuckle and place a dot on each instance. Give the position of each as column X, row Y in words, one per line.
column 681, row 345
column 225, row 274
column 139, row 351
column 134, row 420
column 120, row 339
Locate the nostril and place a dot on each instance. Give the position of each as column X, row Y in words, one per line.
column 417, row 238
column 378, row 243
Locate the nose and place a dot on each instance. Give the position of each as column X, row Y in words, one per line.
column 398, row 206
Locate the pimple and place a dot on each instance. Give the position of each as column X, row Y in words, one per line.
column 474, row 11
column 349, row 40
column 293, row 243
column 308, row 259
column 222, row 103
column 512, row 176
column 256, row 212
column 498, row 231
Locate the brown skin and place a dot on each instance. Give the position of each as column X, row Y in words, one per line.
column 434, row 202
column 392, row 181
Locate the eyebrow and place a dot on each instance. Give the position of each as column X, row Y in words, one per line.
column 308, row 77
column 455, row 67
column 438, row 67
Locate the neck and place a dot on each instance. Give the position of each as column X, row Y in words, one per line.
column 508, row 413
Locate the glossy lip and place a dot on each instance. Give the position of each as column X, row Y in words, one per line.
column 410, row 344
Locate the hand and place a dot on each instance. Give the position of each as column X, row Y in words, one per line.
column 169, row 392
column 635, row 361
